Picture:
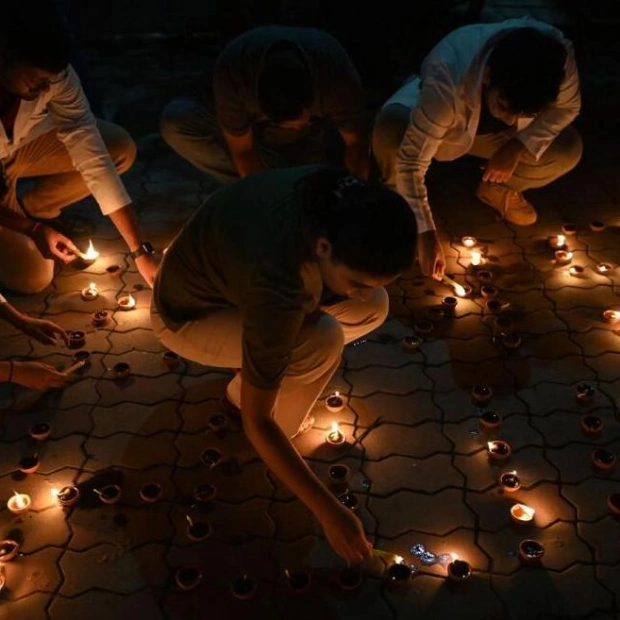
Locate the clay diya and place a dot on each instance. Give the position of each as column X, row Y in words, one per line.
column 170, row 359
column 217, row 422
column 569, row 229
column 511, row 341
column 8, row 549
column 243, row 587
column 187, row 578
column 198, row 530
column 350, row 578
column 77, row 339
column 449, row 304
column 19, row 503
column 398, row 575
column 423, row 327
column 603, row 459
column 81, row 356
column 484, row 275
column 481, row 393
column 613, row 503
column 495, row 306
column 488, row 291
column 459, row 571
column 510, row 481
column 100, row 317
column 298, row 581
column 204, row 493
column 349, row 500
column 29, row 464
column 68, row 496
column 557, row 242
column 334, row 402
column 597, row 225
column 576, row 271
column 411, row 344
column 109, row 494
column 531, row 551
column 338, row 474
column 335, row 437
column 126, row 302
column 121, row 370
column 40, row 431
column 151, row 492
column 490, row 420
column 521, row 513
column 498, row 450
column 584, row 393
column 210, row 457
column 591, row 425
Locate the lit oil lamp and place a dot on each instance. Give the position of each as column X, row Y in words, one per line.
column 611, row 316
column 531, row 551
column 459, row 290
column 557, row 242
column 77, row 339
column 335, row 437
column 576, row 271
column 8, row 549
column 522, row 513
column 91, row 255
column 510, row 481
column 468, row 241
column 475, row 258
column 19, row 503
column 498, row 450
column 604, row 268
column 126, row 302
column 334, row 402
column 459, row 570
column 398, row 575
column 90, row 292
column 563, row 257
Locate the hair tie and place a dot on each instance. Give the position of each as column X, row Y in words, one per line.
column 344, row 184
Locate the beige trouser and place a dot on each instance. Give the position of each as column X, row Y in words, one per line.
column 58, row 184
column 562, row 155
column 215, row 340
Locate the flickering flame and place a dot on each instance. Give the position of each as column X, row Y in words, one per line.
column 91, row 253
column 54, row 492
column 335, row 429
column 561, row 240
column 399, row 559
column 92, row 287
column 476, row 258
column 469, row 242
column 20, row 500
column 460, row 290
column 490, row 445
column 523, row 512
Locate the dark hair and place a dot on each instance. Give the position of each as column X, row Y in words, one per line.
column 284, row 85
column 371, row 228
column 527, row 68
column 35, row 34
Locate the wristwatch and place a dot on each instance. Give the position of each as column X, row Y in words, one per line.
column 145, row 248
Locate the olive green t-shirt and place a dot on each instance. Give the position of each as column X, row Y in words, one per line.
column 243, row 248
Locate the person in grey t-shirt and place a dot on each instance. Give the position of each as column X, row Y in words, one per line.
column 282, row 96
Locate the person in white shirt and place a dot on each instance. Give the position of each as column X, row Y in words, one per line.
column 48, row 133
column 506, row 92
column 36, row 375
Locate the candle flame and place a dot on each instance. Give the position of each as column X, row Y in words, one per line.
column 523, row 512
column 20, row 500
column 91, row 253
column 460, row 290
column 128, row 301
column 490, row 445
column 455, row 556
column 93, row 287
column 54, row 492
column 335, row 428
column 561, row 239
column 399, row 559
column 476, row 258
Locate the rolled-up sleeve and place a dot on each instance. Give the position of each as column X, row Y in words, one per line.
column 77, row 130
column 541, row 132
column 430, row 121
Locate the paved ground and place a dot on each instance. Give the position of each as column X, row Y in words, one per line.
column 422, row 474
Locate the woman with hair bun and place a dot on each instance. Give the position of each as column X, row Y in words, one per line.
column 274, row 275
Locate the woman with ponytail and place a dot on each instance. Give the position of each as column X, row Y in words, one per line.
column 274, row 275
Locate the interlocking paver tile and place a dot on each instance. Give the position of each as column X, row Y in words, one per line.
column 409, row 510
column 566, row 370
column 419, row 442
column 112, row 569
column 136, row 418
column 574, row 463
column 395, row 380
column 590, row 497
column 34, row 574
column 608, row 576
column 597, row 536
column 562, row 595
column 395, row 408
column 103, row 605
column 31, row 607
column 151, row 389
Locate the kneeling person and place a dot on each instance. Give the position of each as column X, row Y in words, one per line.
column 274, row 275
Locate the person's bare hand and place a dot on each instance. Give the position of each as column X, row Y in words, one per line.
column 502, row 164
column 44, row 331
column 37, row 375
column 430, row 255
column 147, row 265
column 53, row 244
column 345, row 534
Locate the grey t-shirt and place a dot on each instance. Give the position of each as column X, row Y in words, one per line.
column 337, row 87
column 243, row 248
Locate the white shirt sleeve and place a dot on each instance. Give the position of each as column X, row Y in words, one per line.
column 430, row 121
column 77, row 129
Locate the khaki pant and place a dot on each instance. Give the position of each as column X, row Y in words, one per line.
column 56, row 184
column 562, row 155
column 215, row 340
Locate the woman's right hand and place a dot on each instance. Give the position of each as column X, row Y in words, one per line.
column 345, row 534
column 430, row 255
column 37, row 375
column 53, row 244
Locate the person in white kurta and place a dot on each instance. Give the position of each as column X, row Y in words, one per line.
column 460, row 104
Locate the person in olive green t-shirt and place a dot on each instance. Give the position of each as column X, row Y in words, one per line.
column 274, row 275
